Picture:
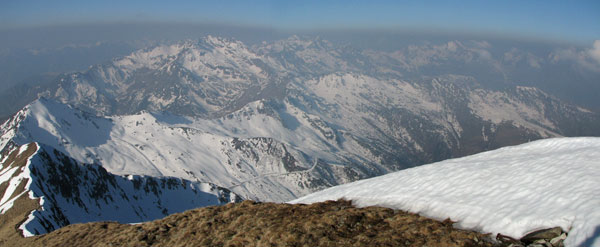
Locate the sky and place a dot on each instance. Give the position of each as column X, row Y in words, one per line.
column 577, row 21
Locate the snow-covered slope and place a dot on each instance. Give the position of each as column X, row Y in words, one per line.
column 68, row 192
column 406, row 123
column 263, row 152
column 512, row 190
column 203, row 77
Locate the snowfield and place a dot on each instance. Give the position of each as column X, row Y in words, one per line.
column 512, row 190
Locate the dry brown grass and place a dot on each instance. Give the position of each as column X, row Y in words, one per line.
column 333, row 223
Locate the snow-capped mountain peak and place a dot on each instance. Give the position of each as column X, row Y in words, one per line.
column 211, row 76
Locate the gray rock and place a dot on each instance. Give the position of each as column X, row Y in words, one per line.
column 542, row 234
column 507, row 240
column 558, row 241
column 536, row 245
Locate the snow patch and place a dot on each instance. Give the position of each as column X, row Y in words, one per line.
column 512, row 190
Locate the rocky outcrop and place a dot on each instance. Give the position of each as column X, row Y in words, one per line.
column 552, row 237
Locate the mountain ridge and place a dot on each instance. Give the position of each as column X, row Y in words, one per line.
column 322, row 146
column 66, row 191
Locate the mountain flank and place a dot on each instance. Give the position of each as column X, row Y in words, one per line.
column 53, row 190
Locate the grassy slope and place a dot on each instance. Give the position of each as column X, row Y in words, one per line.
column 333, row 223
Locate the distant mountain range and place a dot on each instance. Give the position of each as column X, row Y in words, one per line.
column 280, row 120
column 214, row 76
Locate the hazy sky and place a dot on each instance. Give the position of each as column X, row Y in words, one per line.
column 563, row 20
